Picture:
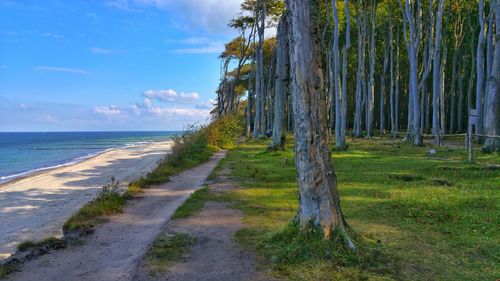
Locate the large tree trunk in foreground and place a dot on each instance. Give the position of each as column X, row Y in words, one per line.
column 492, row 120
column 319, row 202
column 278, row 141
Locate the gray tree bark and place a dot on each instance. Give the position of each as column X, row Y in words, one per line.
column 339, row 139
column 344, row 70
column 480, row 69
column 319, row 200
column 391, row 73
column 370, row 98
column 436, row 84
column 492, row 124
column 279, row 132
column 360, row 72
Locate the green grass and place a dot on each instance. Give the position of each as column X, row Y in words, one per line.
column 193, row 204
column 418, row 217
column 167, row 249
column 95, row 211
column 5, row 270
column 50, row 243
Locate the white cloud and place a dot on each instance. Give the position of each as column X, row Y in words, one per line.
column 148, row 103
column 121, row 5
column 23, row 106
column 49, row 118
column 171, row 96
column 209, row 104
column 209, row 15
column 198, row 45
column 61, row 69
column 102, row 51
column 107, row 110
column 52, row 35
column 178, row 112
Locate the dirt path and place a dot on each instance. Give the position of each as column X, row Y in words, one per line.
column 215, row 256
column 37, row 206
column 116, row 247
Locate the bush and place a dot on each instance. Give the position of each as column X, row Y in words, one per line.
column 224, row 131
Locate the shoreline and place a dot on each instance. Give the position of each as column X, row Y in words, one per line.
column 37, row 205
column 35, row 172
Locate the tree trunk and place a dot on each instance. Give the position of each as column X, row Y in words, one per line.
column 344, row 70
column 391, row 73
column 383, row 87
column 490, row 49
column 396, row 90
column 441, row 90
column 492, row 124
column 436, row 85
column 279, row 136
column 480, row 69
column 359, row 76
column 339, row 139
column 370, row 98
column 319, row 202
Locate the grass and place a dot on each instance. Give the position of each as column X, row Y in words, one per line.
column 50, row 243
column 193, row 204
column 418, row 217
column 5, row 270
column 95, row 212
column 167, row 249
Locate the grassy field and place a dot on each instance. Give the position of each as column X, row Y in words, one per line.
column 422, row 217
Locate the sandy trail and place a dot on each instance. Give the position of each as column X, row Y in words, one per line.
column 37, row 206
column 215, row 256
column 116, row 247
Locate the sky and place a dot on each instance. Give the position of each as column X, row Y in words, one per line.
column 110, row 65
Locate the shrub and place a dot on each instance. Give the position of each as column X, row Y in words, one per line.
column 224, row 131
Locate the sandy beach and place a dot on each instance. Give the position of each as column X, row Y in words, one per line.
column 37, row 206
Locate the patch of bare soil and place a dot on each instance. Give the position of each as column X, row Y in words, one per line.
column 215, row 255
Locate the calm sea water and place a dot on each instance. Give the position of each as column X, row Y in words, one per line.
column 24, row 153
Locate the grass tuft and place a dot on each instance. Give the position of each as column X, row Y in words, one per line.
column 49, row 243
column 193, row 204
column 6, row 269
column 167, row 249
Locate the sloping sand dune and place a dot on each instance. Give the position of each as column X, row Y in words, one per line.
column 37, row 206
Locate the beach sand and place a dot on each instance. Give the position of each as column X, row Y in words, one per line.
column 37, row 206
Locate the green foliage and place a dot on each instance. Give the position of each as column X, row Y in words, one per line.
column 394, row 195
column 224, row 132
column 5, row 269
column 49, row 243
column 108, row 202
column 167, row 249
column 193, row 204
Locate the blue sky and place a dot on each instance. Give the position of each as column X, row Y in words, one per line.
column 69, row 65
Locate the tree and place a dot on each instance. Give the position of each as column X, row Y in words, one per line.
column 492, row 121
column 319, row 201
column 282, row 71
column 480, row 69
column 437, row 79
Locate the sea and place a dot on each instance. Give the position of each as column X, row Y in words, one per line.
column 22, row 154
